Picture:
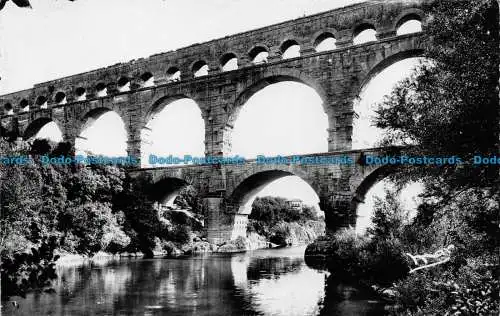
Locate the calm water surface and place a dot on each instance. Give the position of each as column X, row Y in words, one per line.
column 262, row 282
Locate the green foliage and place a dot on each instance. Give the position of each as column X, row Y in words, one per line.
column 25, row 271
column 449, row 107
column 378, row 261
column 389, row 217
column 270, row 212
column 94, row 226
column 142, row 220
column 48, row 205
column 188, row 198
column 472, row 290
column 180, row 234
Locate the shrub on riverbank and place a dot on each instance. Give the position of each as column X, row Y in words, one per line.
column 471, row 290
column 359, row 257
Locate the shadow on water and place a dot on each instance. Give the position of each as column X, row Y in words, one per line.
column 263, row 282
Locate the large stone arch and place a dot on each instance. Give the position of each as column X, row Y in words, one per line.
column 196, row 177
column 252, row 180
column 373, row 177
column 86, row 120
column 165, row 189
column 39, row 120
column 382, row 63
column 363, row 133
column 247, row 185
column 91, row 115
column 253, row 84
column 159, row 103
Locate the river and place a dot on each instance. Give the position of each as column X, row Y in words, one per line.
column 262, row 282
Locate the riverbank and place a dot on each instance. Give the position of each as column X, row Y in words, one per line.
column 170, row 249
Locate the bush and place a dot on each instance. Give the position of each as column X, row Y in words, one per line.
column 470, row 291
column 180, row 234
column 34, row 270
column 281, row 234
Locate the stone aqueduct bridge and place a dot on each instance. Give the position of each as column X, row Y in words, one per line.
column 139, row 89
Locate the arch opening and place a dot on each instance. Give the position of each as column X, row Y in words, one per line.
column 165, row 191
column 103, row 133
column 123, row 84
column 200, row 69
column 288, row 193
column 24, row 105
column 60, row 98
column 364, row 33
column 174, row 128
column 147, row 79
column 259, row 55
column 81, row 94
column 41, row 102
column 290, row 49
column 177, row 205
column 325, row 42
column 294, row 120
column 375, row 89
column 101, row 90
column 43, row 128
column 173, row 74
column 229, row 62
column 371, row 194
column 409, row 24
column 8, row 109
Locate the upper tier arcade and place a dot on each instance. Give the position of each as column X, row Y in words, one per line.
column 181, row 65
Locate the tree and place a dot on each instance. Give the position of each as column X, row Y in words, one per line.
column 449, row 107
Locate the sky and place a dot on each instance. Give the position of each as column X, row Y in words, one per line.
column 58, row 38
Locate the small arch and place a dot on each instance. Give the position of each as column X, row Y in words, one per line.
column 173, row 74
column 325, row 42
column 101, row 90
column 229, row 62
column 147, row 79
column 41, row 102
column 200, row 68
column 123, row 84
column 8, row 109
column 80, row 93
column 364, row 33
column 24, row 105
column 259, row 55
column 290, row 49
column 411, row 23
column 60, row 98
